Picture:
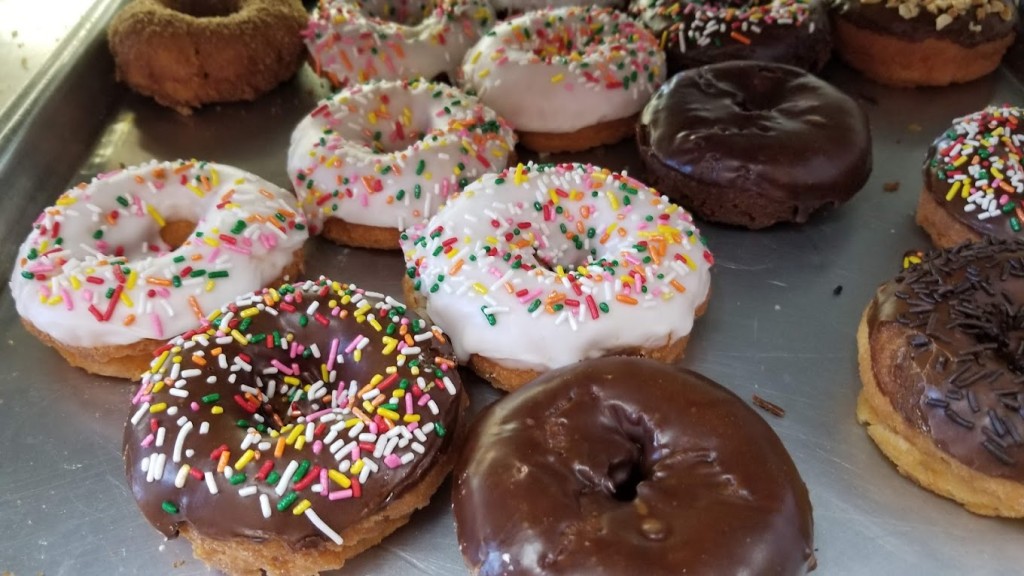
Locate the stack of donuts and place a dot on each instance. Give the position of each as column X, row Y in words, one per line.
column 285, row 424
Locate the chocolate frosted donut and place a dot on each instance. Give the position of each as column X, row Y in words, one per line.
column 304, row 425
column 791, row 32
column 753, row 144
column 924, row 42
column 973, row 179
column 620, row 464
column 941, row 352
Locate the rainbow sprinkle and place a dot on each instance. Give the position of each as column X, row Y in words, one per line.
column 979, row 161
column 333, row 387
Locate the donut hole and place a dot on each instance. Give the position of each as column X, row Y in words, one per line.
column 626, row 477
column 176, row 232
column 402, row 12
column 204, row 8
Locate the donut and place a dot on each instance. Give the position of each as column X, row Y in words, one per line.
column 642, row 465
column 185, row 54
column 792, row 32
column 354, row 41
column 973, row 180
column 506, row 7
column 912, row 43
column 542, row 266
column 122, row 263
column 567, row 79
column 754, row 144
column 303, row 426
column 376, row 158
column 940, row 352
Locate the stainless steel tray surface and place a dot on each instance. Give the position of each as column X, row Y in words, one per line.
column 781, row 323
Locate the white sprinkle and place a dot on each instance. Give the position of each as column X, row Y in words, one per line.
column 211, row 483
column 282, row 485
column 265, row 505
column 247, row 491
column 179, row 442
column 323, row 527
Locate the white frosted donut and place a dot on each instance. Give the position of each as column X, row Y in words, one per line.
column 516, row 6
column 95, row 271
column 546, row 265
column 561, row 70
column 388, row 154
column 360, row 40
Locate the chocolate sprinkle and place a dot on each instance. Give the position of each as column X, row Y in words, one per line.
column 969, row 356
column 770, row 407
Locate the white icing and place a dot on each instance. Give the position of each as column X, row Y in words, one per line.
column 81, row 270
column 523, row 69
column 523, row 5
column 454, row 245
column 340, row 171
column 356, row 41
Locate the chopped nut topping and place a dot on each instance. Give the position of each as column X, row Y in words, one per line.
column 947, row 11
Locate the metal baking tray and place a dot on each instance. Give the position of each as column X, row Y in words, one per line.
column 781, row 323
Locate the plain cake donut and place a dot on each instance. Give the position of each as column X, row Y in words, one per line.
column 186, row 53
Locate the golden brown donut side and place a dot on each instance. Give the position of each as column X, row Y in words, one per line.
column 932, row 62
column 184, row 61
column 914, row 453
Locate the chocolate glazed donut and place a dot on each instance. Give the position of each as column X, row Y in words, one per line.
column 941, row 351
column 791, row 32
column 617, row 465
column 753, row 144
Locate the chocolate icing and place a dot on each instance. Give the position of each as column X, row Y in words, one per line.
column 947, row 348
column 879, row 18
column 759, row 131
column 228, row 515
column 806, row 45
column 938, row 174
column 617, row 465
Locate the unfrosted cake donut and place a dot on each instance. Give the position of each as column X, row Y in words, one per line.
column 542, row 266
column 122, row 263
column 376, row 158
column 185, row 53
column 567, row 79
column 305, row 424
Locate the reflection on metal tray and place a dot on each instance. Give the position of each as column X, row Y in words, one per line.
column 777, row 326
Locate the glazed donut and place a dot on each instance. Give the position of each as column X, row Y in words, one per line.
column 376, row 158
column 302, row 427
column 753, row 144
column 642, row 465
column 694, row 33
column 185, row 53
column 354, row 41
column 940, row 355
column 124, row 262
column 567, row 79
column 546, row 265
column 924, row 42
column 973, row 179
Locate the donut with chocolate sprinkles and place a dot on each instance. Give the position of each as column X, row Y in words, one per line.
column 941, row 353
